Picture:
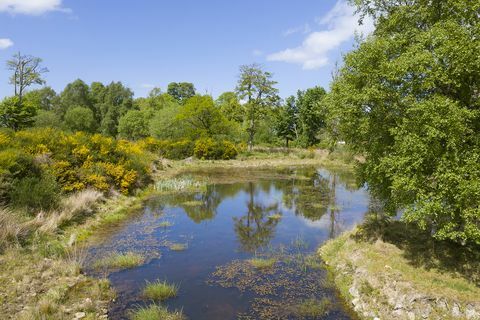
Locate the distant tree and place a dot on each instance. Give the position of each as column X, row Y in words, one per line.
column 256, row 87
column 311, row 114
column 133, row 125
column 230, row 106
column 27, row 71
column 80, row 119
column 117, row 100
column 286, row 120
column 164, row 124
column 155, row 101
column 181, row 91
column 47, row 118
column 76, row 93
column 15, row 114
column 45, row 98
column 200, row 116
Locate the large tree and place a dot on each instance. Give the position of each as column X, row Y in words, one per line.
column 256, row 87
column 27, row 71
column 181, row 91
column 311, row 113
column 286, row 120
column 408, row 98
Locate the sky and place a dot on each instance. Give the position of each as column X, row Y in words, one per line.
column 150, row 43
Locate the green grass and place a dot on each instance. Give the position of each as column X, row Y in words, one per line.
column 155, row 312
column 178, row 246
column 260, row 263
column 160, row 290
column 313, row 308
column 120, row 261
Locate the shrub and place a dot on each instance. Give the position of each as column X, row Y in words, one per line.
column 80, row 119
column 209, row 149
column 178, row 150
column 36, row 192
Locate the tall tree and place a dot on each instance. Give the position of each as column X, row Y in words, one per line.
column 408, row 99
column 230, row 106
column 27, row 71
column 312, row 114
column 181, row 91
column 286, row 120
column 257, row 88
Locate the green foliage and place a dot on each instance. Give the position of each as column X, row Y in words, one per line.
column 160, row 290
column 209, row 149
column 230, row 106
column 181, row 91
column 16, row 114
column 80, row 119
column 36, row 192
column 133, row 125
column 407, row 98
column 177, row 149
column 44, row 99
column 47, row 119
column 286, row 121
column 312, row 114
column 258, row 89
column 164, row 124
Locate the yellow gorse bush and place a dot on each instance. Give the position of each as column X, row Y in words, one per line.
column 78, row 160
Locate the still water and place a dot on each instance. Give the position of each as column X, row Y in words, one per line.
column 281, row 214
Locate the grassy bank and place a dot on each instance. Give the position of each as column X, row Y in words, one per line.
column 380, row 277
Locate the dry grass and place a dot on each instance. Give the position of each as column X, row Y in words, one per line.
column 120, row 261
column 12, row 228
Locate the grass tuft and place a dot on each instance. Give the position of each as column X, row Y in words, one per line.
column 120, row 261
column 155, row 312
column 313, row 308
column 160, row 290
column 260, row 263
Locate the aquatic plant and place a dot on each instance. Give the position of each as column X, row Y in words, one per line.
column 165, row 224
column 160, row 290
column 276, row 216
column 178, row 246
column 155, row 312
column 313, row 308
column 261, row 263
column 120, row 261
column 180, row 184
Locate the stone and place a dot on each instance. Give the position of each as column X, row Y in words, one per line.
column 80, row 315
column 456, row 313
column 471, row 313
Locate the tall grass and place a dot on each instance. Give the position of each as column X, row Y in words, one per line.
column 180, row 184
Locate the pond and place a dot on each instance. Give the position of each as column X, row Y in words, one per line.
column 208, row 244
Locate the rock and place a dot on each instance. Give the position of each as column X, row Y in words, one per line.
column 411, row 315
column 456, row 313
column 442, row 304
column 80, row 315
column 471, row 313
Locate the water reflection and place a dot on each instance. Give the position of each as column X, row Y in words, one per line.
column 256, row 228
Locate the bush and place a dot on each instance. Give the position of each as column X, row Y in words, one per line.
column 177, row 150
column 80, row 119
column 209, row 149
column 36, row 192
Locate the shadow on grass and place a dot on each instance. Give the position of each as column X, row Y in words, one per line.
column 421, row 249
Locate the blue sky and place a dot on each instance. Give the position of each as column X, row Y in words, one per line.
column 146, row 43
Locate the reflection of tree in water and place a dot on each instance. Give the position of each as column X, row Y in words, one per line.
column 256, row 228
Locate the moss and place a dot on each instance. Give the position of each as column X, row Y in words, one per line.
column 160, row 290
column 120, row 261
column 155, row 312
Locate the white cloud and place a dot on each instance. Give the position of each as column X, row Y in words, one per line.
column 303, row 29
column 31, row 7
column 5, row 43
column 340, row 25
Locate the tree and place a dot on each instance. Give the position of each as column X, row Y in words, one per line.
column 46, row 118
column 80, row 119
column 286, row 120
column 27, row 71
column 133, row 125
column 181, row 91
column 44, row 99
column 15, row 114
column 311, row 113
column 75, row 94
column 230, row 106
column 117, row 100
column 201, row 118
column 256, row 87
column 408, row 100
column 164, row 124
